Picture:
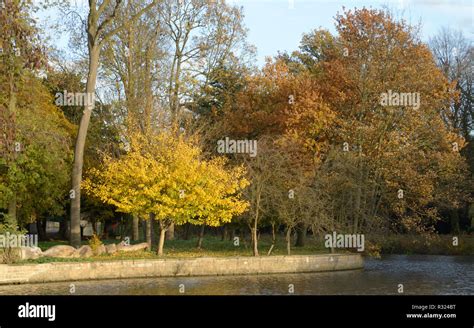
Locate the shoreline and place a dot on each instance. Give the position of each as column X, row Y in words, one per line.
column 154, row 268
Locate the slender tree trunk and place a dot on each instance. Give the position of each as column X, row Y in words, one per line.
column 288, row 240
column 176, row 89
column 135, row 221
column 148, row 230
column 171, row 80
column 149, row 91
column 75, row 236
column 255, row 226
column 255, row 241
column 201, row 236
column 253, row 231
column 273, row 240
column 273, row 234
column 161, row 241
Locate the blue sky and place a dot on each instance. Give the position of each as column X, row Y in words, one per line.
column 277, row 25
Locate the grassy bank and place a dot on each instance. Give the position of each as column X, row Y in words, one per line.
column 215, row 247
column 424, row 244
column 178, row 248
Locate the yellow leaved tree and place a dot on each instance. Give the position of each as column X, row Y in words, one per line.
column 165, row 176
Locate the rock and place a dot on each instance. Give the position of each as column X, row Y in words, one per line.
column 84, row 251
column 111, row 248
column 30, row 253
column 63, row 251
column 121, row 245
column 132, row 248
column 100, row 250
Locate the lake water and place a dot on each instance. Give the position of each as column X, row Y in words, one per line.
column 419, row 274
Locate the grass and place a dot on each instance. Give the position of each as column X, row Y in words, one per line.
column 214, row 247
column 179, row 248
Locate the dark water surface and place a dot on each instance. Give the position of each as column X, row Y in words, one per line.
column 419, row 274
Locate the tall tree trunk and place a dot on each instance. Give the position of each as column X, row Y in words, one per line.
column 135, row 222
column 149, row 91
column 94, row 53
column 176, row 88
column 201, row 237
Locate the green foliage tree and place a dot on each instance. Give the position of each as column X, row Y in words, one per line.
column 34, row 135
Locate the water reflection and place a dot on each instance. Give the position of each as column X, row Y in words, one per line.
column 419, row 274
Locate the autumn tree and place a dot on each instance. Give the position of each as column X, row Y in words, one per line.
column 275, row 104
column 294, row 192
column 164, row 175
column 398, row 151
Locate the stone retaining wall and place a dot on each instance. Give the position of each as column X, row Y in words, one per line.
column 204, row 266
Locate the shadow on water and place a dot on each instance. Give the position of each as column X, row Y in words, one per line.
column 419, row 274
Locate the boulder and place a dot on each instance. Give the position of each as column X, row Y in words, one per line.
column 30, row 253
column 84, row 251
column 63, row 251
column 100, row 250
column 121, row 245
column 132, row 248
column 111, row 248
